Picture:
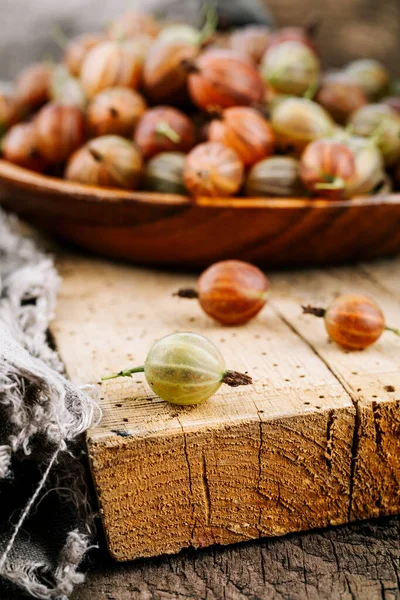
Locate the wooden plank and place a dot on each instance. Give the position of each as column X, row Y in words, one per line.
column 264, row 460
column 371, row 377
column 384, row 273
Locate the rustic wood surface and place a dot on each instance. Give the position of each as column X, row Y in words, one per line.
column 152, row 228
column 315, row 441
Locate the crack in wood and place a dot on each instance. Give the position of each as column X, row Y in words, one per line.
column 185, row 451
column 377, row 425
column 260, row 474
column 206, row 490
column 354, row 455
column 329, row 439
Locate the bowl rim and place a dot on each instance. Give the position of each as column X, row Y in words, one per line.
column 23, row 178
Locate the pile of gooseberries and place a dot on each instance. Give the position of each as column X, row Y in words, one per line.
column 165, row 107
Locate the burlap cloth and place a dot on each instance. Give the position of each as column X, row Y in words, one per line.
column 45, row 519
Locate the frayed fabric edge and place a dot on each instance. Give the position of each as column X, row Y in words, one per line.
column 28, row 285
column 66, row 575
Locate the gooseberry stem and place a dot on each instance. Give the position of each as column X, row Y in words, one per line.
column 162, row 128
column 311, row 90
column 187, row 293
column 313, row 310
column 210, row 24
column 234, row 378
column 189, row 65
column 393, row 330
column 60, row 38
column 126, row 373
column 333, row 185
column 312, row 25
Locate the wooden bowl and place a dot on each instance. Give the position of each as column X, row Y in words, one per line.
column 172, row 230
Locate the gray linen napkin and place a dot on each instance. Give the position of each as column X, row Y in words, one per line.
column 45, row 519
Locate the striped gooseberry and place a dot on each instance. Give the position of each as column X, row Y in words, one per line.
column 212, row 169
column 222, row 78
column 352, row 321
column 231, row 291
column 327, row 167
column 20, row 146
column 164, row 129
column 244, row 130
column 185, row 368
column 371, row 75
column 291, row 68
column 108, row 160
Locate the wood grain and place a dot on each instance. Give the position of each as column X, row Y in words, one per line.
column 171, row 230
column 290, row 453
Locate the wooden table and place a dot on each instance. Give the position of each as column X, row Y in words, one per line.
column 338, row 414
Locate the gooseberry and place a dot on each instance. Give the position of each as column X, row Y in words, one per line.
column 20, row 146
column 327, row 167
column 352, row 321
column 299, row 121
column 275, row 176
column 10, row 112
column 182, row 32
column 110, row 64
column 60, row 130
column 340, row 96
column 77, row 49
column 66, row 89
column 221, row 78
column 231, row 291
column 162, row 129
column 369, row 168
column 115, row 111
column 290, row 67
column 185, row 369
column 165, row 73
column 382, row 124
column 372, row 77
column 212, row 169
column 32, row 88
column 109, row 161
column 244, row 130
column 164, row 173
column 251, row 40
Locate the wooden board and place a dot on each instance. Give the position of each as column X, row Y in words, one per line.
column 313, row 442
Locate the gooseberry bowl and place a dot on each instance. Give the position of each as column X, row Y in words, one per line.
column 177, row 231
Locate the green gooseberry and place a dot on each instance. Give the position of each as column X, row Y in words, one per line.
column 291, row 68
column 185, row 368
